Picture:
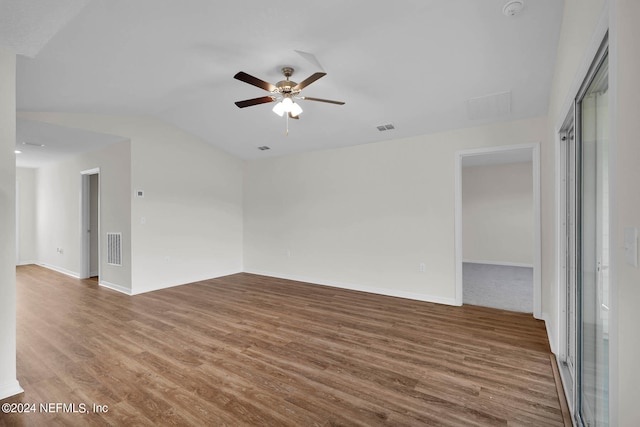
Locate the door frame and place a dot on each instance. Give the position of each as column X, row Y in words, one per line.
column 85, row 221
column 18, row 233
column 535, row 159
column 569, row 379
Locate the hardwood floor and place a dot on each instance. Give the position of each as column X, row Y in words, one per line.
column 253, row 350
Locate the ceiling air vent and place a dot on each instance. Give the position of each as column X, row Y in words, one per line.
column 382, row 128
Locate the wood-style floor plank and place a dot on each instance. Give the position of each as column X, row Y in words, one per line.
column 253, row 350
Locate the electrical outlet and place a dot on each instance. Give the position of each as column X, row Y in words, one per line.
column 423, row 267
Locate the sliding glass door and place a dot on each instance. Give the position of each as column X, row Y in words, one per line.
column 593, row 277
column 585, row 220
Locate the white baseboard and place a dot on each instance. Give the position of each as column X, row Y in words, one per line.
column 354, row 287
column 505, row 263
column 75, row 275
column 114, row 287
column 550, row 335
column 27, row 262
column 59, row 270
column 136, row 289
column 9, row 389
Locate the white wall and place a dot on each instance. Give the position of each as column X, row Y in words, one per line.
column 8, row 382
column 192, row 204
column 497, row 214
column 27, row 251
column 58, row 218
column 626, row 208
column 366, row 217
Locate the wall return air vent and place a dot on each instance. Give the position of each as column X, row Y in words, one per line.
column 114, row 249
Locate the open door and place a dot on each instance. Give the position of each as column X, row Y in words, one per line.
column 90, row 224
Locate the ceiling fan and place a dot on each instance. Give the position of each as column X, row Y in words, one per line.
column 285, row 92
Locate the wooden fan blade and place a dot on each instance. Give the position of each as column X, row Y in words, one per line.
column 306, row 82
column 247, row 78
column 294, row 117
column 308, row 98
column 254, row 101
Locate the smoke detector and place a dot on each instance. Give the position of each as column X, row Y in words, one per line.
column 513, row 8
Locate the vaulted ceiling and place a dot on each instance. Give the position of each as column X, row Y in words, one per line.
column 422, row 65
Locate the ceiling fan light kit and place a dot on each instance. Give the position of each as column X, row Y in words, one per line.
column 287, row 106
column 284, row 93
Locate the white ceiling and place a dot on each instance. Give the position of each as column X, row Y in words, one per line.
column 26, row 26
column 412, row 63
column 43, row 143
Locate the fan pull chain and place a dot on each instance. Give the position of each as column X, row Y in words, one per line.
column 287, row 133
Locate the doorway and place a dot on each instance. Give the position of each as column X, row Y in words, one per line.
column 90, row 224
column 502, row 155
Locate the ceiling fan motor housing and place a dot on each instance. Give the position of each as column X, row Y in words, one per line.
column 286, row 86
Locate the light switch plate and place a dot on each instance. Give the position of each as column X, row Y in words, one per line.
column 631, row 246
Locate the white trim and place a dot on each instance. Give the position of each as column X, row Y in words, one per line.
column 73, row 274
column 361, row 288
column 496, row 149
column 503, row 263
column 560, row 324
column 614, row 370
column 537, row 235
column 27, row 262
column 10, row 388
column 114, row 287
column 550, row 335
column 90, row 171
column 457, row 229
column 136, row 289
column 537, row 244
column 18, row 233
